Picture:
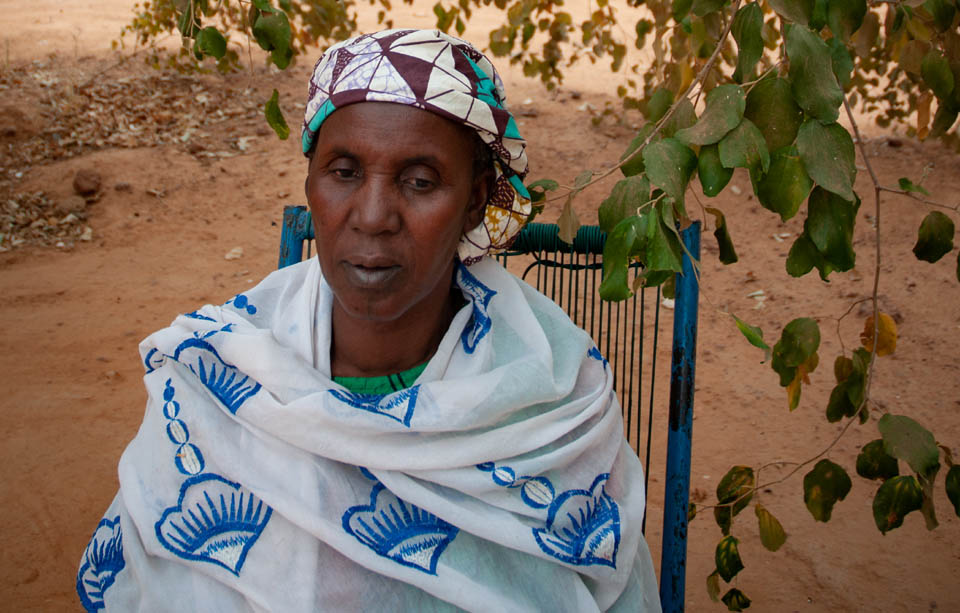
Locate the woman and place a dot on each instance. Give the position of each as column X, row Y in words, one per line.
column 399, row 423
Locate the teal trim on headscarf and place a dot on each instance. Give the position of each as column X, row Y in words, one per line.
column 519, row 186
column 322, row 113
column 486, row 88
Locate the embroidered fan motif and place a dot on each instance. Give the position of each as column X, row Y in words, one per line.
column 101, row 562
column 400, row 531
column 225, row 381
column 583, row 527
column 398, row 405
column 215, row 521
column 480, row 296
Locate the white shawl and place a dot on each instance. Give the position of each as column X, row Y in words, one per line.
column 499, row 481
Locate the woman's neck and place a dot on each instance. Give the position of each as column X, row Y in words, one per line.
column 361, row 348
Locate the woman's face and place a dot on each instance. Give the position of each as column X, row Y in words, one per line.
column 391, row 191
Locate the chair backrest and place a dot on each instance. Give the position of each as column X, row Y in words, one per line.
column 570, row 275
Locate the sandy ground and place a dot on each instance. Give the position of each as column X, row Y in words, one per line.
column 72, row 319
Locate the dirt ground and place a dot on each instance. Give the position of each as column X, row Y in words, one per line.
column 188, row 184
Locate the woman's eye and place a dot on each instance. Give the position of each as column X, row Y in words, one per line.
column 344, row 173
column 419, row 183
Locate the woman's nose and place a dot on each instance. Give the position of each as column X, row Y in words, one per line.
column 375, row 209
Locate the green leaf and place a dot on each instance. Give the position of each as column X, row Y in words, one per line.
column 680, row 9
column 797, row 11
column 746, row 29
column 658, row 104
column 568, row 223
column 874, row 462
column 841, row 61
column 845, row 16
column 905, row 439
column 736, row 600
column 626, row 196
column 804, row 257
column 799, row 340
column 724, row 110
column 745, row 147
column 897, row 497
column 263, row 5
column 936, row 74
column 683, row 117
column 942, row 121
column 953, row 487
column 828, row 155
column 754, row 335
column 770, row 106
column 786, row 186
column 634, row 165
column 935, row 238
column 211, row 42
column 909, row 186
column 705, row 7
column 819, row 17
column 829, row 225
column 669, row 165
column 663, row 248
column 771, row 532
column 823, row 487
column 616, row 260
column 812, row 81
column 728, row 255
column 538, row 189
column 272, row 33
column 275, row 116
column 942, row 12
column 840, row 405
column 713, row 176
column 728, row 558
column 737, row 485
column 713, row 586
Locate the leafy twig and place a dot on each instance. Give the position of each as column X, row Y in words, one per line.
column 666, row 117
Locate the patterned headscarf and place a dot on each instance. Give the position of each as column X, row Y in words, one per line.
column 430, row 70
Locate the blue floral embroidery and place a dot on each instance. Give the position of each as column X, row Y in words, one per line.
column 398, row 405
column 242, row 303
column 596, row 355
column 102, row 560
column 480, row 296
column 536, row 492
column 197, row 315
column 583, row 527
column 215, row 521
column 225, row 381
column 399, row 531
column 187, row 458
column 153, row 360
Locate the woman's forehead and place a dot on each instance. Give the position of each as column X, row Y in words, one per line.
column 388, row 126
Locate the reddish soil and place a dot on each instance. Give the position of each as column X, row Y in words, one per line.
column 73, row 316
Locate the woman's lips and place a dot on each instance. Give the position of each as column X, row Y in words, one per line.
column 367, row 275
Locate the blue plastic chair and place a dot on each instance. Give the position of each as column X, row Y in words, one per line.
column 570, row 275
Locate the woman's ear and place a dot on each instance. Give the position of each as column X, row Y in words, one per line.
column 479, row 194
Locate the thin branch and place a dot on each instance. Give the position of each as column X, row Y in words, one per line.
column 876, row 269
column 893, row 190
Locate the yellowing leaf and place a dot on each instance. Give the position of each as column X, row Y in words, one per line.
column 887, row 331
column 771, row 532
